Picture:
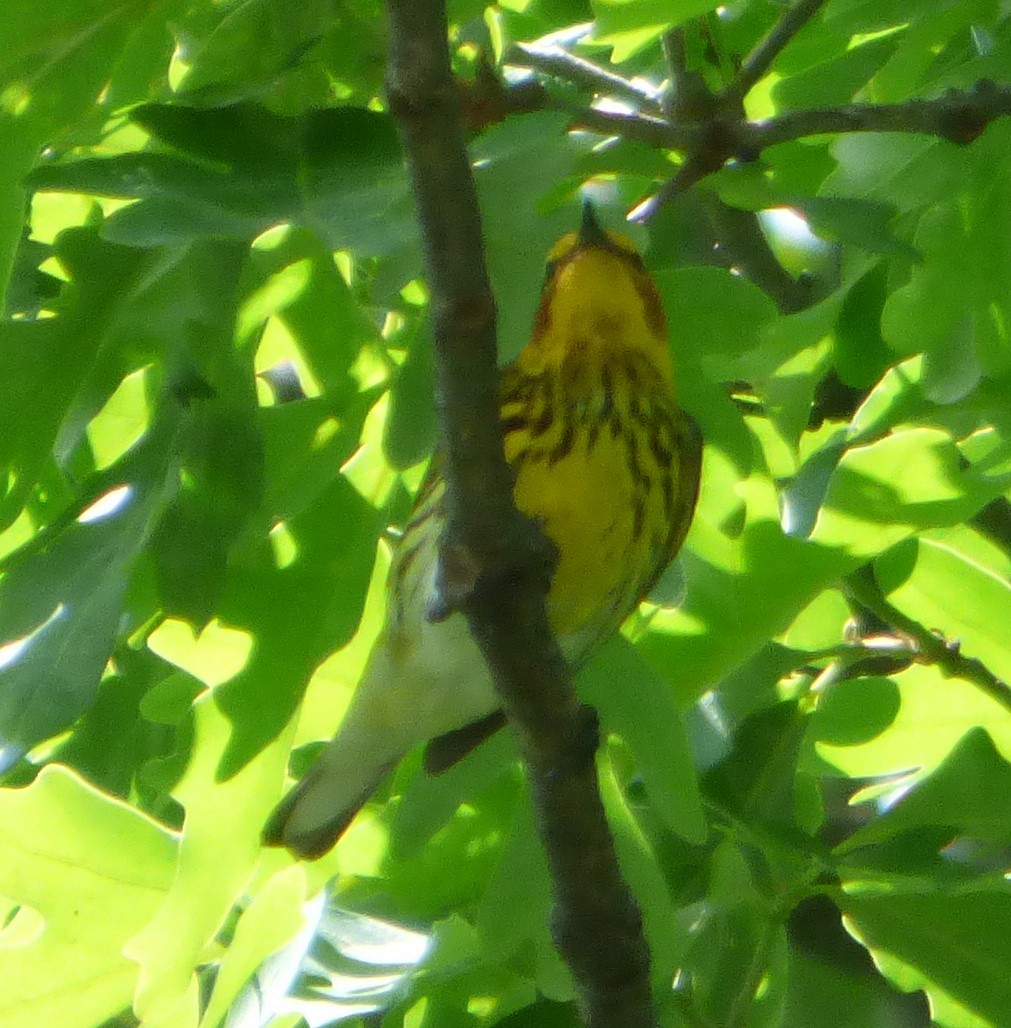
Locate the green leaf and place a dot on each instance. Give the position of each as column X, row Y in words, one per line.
column 934, row 31
column 836, row 80
column 639, row 706
column 220, row 817
column 242, row 136
column 964, row 795
column 516, row 905
column 303, row 443
column 804, row 495
column 88, row 872
column 948, row 592
column 429, row 802
column 297, row 613
column 860, row 353
column 864, row 223
column 733, row 939
column 515, row 161
column 897, row 398
column 60, row 610
column 882, row 492
column 713, row 311
column 60, row 619
column 410, row 430
column 820, row 624
column 44, row 364
column 292, row 277
column 221, row 468
column 961, row 239
column 876, row 15
column 957, row 944
column 794, row 351
column 272, row 919
column 356, row 965
column 336, row 170
column 856, row 711
column 630, row 25
column 113, row 737
column 823, row 994
column 908, row 171
column 54, row 63
column 757, row 780
column 934, row 713
column 663, row 927
column 738, row 595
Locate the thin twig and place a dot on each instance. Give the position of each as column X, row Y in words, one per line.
column 758, row 62
column 930, row 647
column 495, row 564
column 580, row 72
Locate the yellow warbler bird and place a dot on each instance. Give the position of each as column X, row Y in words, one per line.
column 608, row 465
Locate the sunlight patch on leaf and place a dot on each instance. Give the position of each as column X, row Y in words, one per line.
column 122, row 421
column 107, row 505
column 282, row 288
column 22, row 529
column 284, row 545
column 222, row 817
column 367, row 469
column 13, row 650
column 95, row 870
column 214, row 656
column 329, row 690
column 51, row 213
column 278, row 346
column 933, row 714
column 882, row 493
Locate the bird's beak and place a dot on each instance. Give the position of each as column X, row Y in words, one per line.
column 590, row 232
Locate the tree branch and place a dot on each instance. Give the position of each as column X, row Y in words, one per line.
column 495, row 563
column 758, row 62
column 959, row 116
column 743, row 245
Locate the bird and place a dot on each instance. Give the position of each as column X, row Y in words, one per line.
column 603, row 459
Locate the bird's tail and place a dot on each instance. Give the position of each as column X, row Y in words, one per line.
column 371, row 739
column 399, row 703
column 317, row 811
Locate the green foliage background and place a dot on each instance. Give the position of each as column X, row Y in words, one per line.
column 215, row 395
